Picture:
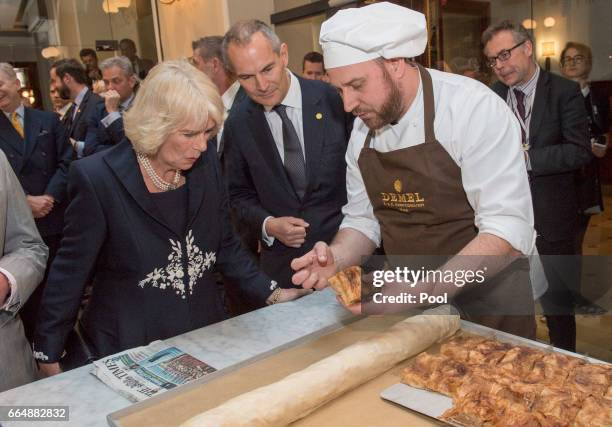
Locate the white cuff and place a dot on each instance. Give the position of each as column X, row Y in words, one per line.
column 110, row 118
column 264, row 236
column 519, row 234
column 13, row 299
column 368, row 227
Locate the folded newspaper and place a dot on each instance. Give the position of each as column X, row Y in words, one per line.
column 142, row 372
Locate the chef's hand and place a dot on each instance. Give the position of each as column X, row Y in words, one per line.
column 355, row 308
column 289, row 230
column 314, row 268
column 49, row 369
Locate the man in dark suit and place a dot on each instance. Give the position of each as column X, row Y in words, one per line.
column 106, row 123
column 207, row 58
column 553, row 120
column 39, row 155
column 69, row 77
column 141, row 66
column 285, row 150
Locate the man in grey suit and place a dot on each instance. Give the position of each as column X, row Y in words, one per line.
column 23, row 257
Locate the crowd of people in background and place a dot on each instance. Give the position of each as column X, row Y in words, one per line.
column 157, row 199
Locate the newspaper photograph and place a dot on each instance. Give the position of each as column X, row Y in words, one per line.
column 142, row 372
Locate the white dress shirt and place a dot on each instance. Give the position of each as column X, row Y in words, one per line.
column 482, row 136
column 62, row 111
column 227, row 98
column 293, row 102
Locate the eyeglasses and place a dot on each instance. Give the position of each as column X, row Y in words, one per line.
column 503, row 56
column 578, row 59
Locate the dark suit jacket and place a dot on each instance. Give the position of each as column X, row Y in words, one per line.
column 149, row 283
column 259, row 186
column 559, row 147
column 100, row 137
column 40, row 162
column 77, row 128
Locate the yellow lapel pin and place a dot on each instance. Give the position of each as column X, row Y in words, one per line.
column 319, row 116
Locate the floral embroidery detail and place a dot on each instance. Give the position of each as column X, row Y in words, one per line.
column 39, row 355
column 172, row 276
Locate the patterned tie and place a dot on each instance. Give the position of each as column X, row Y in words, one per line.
column 520, row 106
column 16, row 123
column 294, row 159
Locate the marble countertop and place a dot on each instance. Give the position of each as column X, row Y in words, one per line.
column 221, row 345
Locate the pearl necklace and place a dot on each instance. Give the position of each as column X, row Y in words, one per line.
column 155, row 178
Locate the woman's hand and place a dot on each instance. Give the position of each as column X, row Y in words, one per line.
column 289, row 295
column 48, row 369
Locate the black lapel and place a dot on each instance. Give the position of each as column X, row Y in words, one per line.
column 122, row 160
column 32, row 127
column 9, row 135
column 197, row 180
column 240, row 96
column 265, row 142
column 313, row 118
column 500, row 89
column 539, row 103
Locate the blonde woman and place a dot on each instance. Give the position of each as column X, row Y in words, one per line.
column 147, row 222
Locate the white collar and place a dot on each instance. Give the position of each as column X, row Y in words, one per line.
column 19, row 110
column 64, row 109
column 229, row 95
column 293, row 98
column 125, row 104
column 585, row 90
column 80, row 96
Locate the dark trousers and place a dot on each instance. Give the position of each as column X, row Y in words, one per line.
column 29, row 311
column 561, row 267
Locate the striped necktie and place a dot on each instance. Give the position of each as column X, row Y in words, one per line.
column 16, row 123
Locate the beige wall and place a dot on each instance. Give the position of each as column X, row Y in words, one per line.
column 301, row 36
column 187, row 20
column 250, row 9
column 280, row 5
column 67, row 27
column 80, row 23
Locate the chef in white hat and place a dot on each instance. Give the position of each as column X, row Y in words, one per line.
column 434, row 168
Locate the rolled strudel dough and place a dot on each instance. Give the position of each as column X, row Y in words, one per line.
column 300, row 393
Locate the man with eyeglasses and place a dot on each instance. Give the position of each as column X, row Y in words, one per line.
column 551, row 113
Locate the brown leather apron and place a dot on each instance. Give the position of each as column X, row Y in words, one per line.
column 418, row 199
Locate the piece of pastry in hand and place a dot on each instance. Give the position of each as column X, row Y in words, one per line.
column 347, row 285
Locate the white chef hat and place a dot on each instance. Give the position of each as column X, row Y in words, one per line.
column 378, row 30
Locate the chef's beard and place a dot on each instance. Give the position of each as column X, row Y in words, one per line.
column 391, row 110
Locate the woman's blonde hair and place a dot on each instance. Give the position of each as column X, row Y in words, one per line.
column 173, row 95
